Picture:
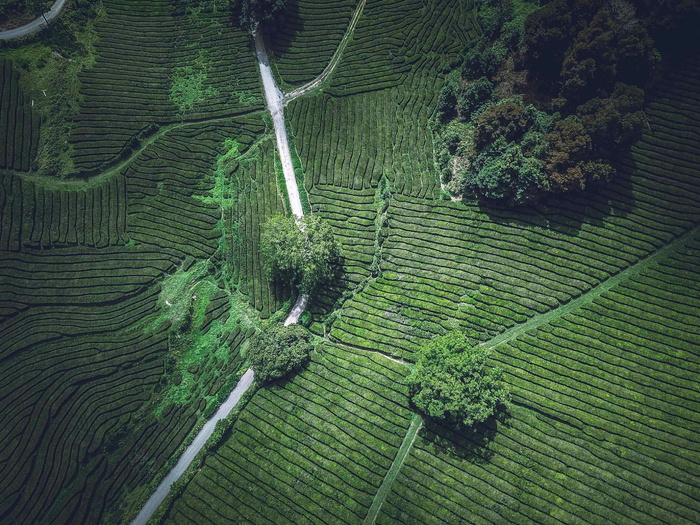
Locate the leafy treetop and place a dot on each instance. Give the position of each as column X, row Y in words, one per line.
column 302, row 252
column 250, row 13
column 548, row 94
column 276, row 350
column 451, row 382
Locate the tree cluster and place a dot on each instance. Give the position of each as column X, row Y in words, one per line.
column 542, row 101
column 301, row 252
column 452, row 382
column 251, row 13
column 14, row 9
column 277, row 350
column 248, row 14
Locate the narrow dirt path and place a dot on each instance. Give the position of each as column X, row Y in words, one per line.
column 191, row 452
column 275, row 104
column 35, row 25
column 335, row 59
column 385, row 487
column 590, row 296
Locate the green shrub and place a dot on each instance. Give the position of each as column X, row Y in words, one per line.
column 451, row 382
column 302, row 252
column 474, row 97
column 276, row 350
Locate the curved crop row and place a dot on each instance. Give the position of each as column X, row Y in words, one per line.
column 156, row 67
column 257, row 199
column 352, row 216
column 309, row 35
column 313, row 450
column 351, row 142
column 395, row 39
column 81, row 375
column 487, row 272
column 19, row 123
column 40, row 217
column 592, row 439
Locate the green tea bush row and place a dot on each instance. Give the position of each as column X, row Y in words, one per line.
column 199, row 56
column 19, row 123
column 351, row 142
column 591, row 437
column 309, row 34
column 316, row 448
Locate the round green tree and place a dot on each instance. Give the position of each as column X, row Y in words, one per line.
column 451, row 381
column 277, row 350
column 302, row 252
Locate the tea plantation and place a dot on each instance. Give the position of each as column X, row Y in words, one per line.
column 131, row 281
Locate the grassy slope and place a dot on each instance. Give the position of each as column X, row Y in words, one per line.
column 81, row 265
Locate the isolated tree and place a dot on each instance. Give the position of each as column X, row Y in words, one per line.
column 277, row 350
column 302, row 252
column 451, row 381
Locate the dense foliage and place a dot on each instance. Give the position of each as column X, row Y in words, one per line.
column 250, row 13
column 451, row 381
column 545, row 97
column 302, row 252
column 277, row 350
column 34, row 7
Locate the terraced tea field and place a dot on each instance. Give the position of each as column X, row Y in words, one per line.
column 19, row 123
column 589, row 303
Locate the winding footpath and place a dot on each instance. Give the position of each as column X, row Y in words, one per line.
column 316, row 82
column 191, row 452
column 35, row 25
column 275, row 104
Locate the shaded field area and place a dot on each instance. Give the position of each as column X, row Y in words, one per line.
column 484, row 270
column 312, row 450
column 603, row 426
column 309, row 35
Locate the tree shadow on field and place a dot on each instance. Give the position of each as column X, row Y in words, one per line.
column 566, row 214
column 472, row 445
column 282, row 33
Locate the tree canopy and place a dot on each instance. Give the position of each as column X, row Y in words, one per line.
column 277, row 350
column 451, row 382
column 249, row 13
column 549, row 93
column 302, row 252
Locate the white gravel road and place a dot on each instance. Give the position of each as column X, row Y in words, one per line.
column 35, row 25
column 275, row 103
column 164, row 488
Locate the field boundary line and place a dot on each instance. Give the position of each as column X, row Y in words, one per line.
column 369, row 351
column 539, row 319
column 193, row 449
column 401, row 455
column 334, row 61
column 115, row 166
